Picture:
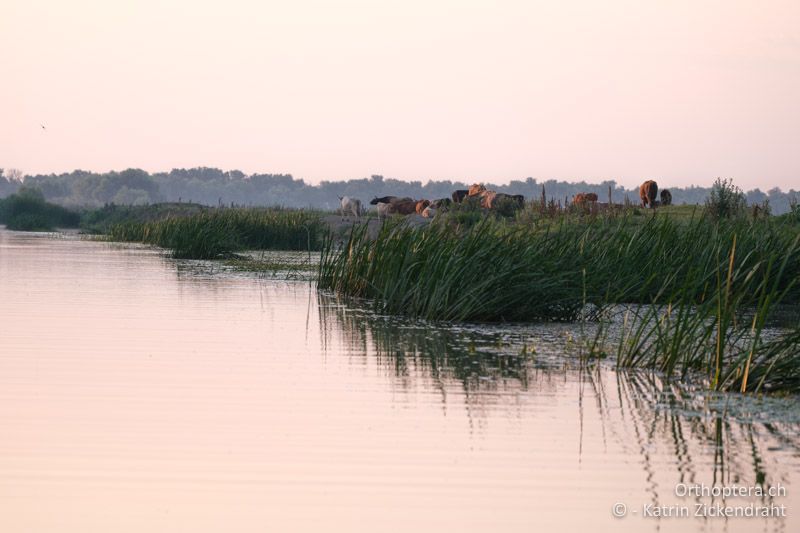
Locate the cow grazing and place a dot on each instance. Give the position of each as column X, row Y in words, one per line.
column 666, row 197
column 519, row 200
column 350, row 205
column 421, row 205
column 395, row 206
column 648, row 191
column 459, row 195
column 583, row 198
column 403, row 206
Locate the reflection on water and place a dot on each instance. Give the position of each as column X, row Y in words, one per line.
column 139, row 393
column 707, row 437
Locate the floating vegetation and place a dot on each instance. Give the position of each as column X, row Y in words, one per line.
column 289, row 266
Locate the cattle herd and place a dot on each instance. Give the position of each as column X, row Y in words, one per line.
column 481, row 196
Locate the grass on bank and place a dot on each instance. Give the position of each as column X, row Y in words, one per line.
column 219, row 233
column 100, row 220
column 699, row 295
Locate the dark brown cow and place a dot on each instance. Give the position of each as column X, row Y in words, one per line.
column 648, row 192
column 403, row 206
column 492, row 199
column 666, row 197
column 459, row 195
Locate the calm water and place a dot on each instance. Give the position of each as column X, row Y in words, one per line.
column 138, row 394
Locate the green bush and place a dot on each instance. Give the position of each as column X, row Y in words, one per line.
column 29, row 222
column 28, row 211
column 506, row 207
column 725, row 200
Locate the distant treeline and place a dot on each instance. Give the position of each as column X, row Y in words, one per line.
column 212, row 186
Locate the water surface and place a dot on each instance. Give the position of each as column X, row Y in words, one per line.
column 139, row 393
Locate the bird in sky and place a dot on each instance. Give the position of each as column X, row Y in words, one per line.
column 42, row 125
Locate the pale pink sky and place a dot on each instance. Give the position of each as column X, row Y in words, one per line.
column 415, row 89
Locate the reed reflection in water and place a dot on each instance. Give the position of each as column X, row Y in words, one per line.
column 672, row 434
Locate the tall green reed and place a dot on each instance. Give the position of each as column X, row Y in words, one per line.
column 217, row 233
column 697, row 296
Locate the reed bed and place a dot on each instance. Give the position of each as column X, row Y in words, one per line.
column 698, row 297
column 217, row 233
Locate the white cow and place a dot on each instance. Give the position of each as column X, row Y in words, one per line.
column 350, row 205
column 384, row 210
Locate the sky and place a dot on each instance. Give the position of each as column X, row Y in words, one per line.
column 681, row 91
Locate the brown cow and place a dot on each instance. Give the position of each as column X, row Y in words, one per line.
column 476, row 189
column 403, row 206
column 648, row 192
column 487, row 199
column 666, row 197
column 421, row 205
column 583, row 198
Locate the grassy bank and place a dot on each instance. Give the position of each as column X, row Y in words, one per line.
column 215, row 233
column 550, row 270
column 710, row 289
column 101, row 220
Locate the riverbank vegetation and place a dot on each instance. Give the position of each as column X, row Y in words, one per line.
column 219, row 233
column 681, row 296
column 100, row 221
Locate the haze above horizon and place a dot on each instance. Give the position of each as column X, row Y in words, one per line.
column 415, row 90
